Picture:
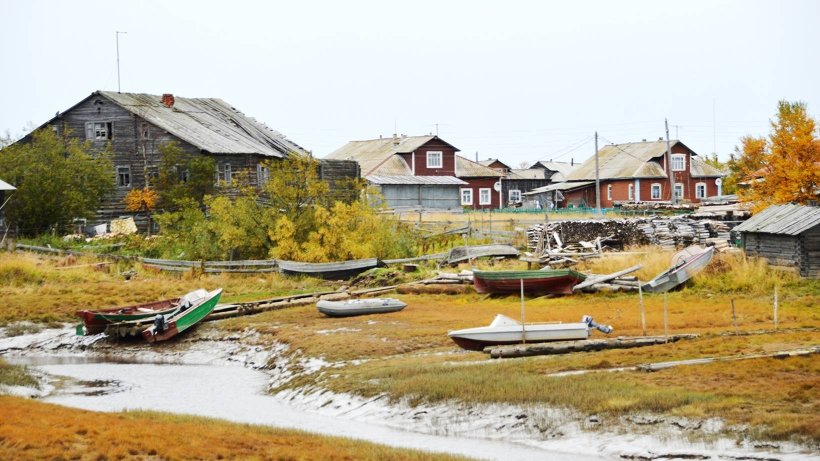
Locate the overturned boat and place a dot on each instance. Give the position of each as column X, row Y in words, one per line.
column 504, row 330
column 352, row 307
column 537, row 282
column 685, row 264
column 340, row 270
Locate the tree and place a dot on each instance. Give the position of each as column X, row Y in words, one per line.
column 183, row 177
column 141, row 201
column 785, row 168
column 57, row 180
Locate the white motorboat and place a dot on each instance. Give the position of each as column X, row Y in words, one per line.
column 685, row 264
column 351, row 307
column 504, row 330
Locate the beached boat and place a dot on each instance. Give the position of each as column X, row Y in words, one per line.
column 194, row 306
column 350, row 307
column 465, row 253
column 504, row 330
column 685, row 264
column 332, row 271
column 538, row 282
column 96, row 321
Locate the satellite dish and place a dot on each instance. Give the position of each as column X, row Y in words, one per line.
column 718, row 181
column 497, row 186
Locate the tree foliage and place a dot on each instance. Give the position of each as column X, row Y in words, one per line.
column 57, row 179
column 183, row 177
column 783, row 168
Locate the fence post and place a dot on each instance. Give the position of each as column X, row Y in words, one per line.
column 775, row 308
column 643, row 316
column 734, row 318
column 665, row 317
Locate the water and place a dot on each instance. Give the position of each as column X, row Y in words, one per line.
column 236, row 394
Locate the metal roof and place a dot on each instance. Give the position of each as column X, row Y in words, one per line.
column 782, row 219
column 466, row 168
column 6, row 186
column 210, row 124
column 372, row 153
column 623, row 161
column 559, row 186
column 701, row 169
column 412, row 180
column 561, row 167
column 528, row 173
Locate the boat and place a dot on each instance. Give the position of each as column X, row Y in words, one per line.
column 465, row 253
column 96, row 321
column 540, row 282
column 331, row 271
column 504, row 330
column 685, row 264
column 352, row 307
column 194, row 306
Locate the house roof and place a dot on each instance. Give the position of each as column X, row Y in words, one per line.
column 564, row 186
column 561, row 167
column 466, row 168
column 782, row 219
column 490, row 161
column 210, row 124
column 528, row 173
column 630, row 160
column 410, row 179
column 701, row 169
column 6, row 186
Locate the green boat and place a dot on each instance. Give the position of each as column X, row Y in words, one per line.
column 193, row 307
column 539, row 282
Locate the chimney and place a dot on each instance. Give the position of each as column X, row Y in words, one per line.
column 395, row 140
column 168, row 100
column 572, row 161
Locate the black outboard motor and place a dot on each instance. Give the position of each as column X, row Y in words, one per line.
column 607, row 329
column 159, row 323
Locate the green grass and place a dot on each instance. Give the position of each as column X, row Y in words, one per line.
column 16, row 375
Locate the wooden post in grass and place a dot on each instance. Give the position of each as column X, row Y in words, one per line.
column 775, row 308
column 523, row 328
column 734, row 318
column 643, row 315
column 665, row 317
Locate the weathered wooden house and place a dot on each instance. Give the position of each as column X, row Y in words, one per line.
column 638, row 172
column 135, row 125
column 5, row 190
column 422, row 171
column 785, row 235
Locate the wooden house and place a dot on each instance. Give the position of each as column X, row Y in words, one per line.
column 136, row 125
column 6, row 190
column 518, row 181
column 638, row 172
column 785, row 235
column 422, row 171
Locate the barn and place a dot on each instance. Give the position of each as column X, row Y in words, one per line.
column 785, row 235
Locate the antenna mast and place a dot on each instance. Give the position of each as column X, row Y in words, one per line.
column 117, row 35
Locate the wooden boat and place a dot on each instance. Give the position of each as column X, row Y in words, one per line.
column 504, row 330
column 558, row 281
column 685, row 264
column 352, row 307
column 465, row 253
column 332, row 271
column 96, row 321
column 193, row 307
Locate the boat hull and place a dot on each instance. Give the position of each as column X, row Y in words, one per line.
column 477, row 339
column 96, row 321
column 535, row 282
column 359, row 307
column 184, row 319
column 679, row 274
column 329, row 271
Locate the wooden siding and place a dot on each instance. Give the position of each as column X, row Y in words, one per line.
column 439, row 197
column 476, row 184
column 524, row 185
column 419, row 156
column 338, row 173
column 801, row 252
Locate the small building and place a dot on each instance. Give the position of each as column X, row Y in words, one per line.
column 518, row 181
column 5, row 190
column 785, row 235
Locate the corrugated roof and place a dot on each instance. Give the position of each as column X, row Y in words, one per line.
column 559, row 186
column 782, row 219
column 466, row 168
column 6, row 186
column 561, row 167
column 210, row 124
column 528, row 173
column 394, row 166
column 701, row 169
column 623, row 161
column 409, row 179
column 372, row 153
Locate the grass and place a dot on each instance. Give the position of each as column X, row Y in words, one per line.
column 16, row 375
column 34, row 430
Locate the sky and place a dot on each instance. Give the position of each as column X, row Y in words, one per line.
column 520, row 81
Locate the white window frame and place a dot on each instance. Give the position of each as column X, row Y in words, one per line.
column 679, row 187
column 435, row 159
column 228, row 175
column 466, row 196
column 123, row 172
column 656, row 186
column 631, row 192
column 99, row 131
column 609, row 191
column 489, row 196
column 698, row 190
column 262, row 174
column 678, row 162
column 515, row 195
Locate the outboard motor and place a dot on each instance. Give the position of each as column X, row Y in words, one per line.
column 159, row 323
column 607, row 329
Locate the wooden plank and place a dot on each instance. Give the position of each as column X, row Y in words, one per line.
column 605, row 278
column 588, row 345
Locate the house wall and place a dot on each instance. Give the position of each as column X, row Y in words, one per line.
column 476, row 184
column 801, row 252
column 439, row 197
column 524, row 185
column 448, row 167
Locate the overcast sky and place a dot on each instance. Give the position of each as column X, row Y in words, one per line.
column 517, row 80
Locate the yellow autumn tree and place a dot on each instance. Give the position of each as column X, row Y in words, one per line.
column 141, row 201
column 785, row 168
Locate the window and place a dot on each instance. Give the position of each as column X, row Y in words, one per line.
column 145, row 132
column 609, row 192
column 227, row 173
column 124, row 176
column 262, row 174
column 656, row 191
column 678, row 162
column 515, row 195
column 700, row 190
column 484, row 196
column 182, row 174
column 98, row 131
column 631, row 192
column 678, row 191
column 466, row 196
column 434, row 159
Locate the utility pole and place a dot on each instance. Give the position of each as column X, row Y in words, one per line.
column 597, row 181
column 117, row 35
column 669, row 164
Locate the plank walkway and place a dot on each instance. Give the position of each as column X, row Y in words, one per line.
column 587, row 345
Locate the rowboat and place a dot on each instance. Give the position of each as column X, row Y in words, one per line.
column 193, row 307
column 352, row 307
column 504, row 330
column 96, row 321
column 559, row 281
column 685, row 264
column 332, row 271
column 465, row 253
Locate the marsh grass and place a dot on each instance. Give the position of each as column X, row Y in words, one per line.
column 34, row 430
column 16, row 375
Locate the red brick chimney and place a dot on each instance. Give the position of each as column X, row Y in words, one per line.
column 168, row 100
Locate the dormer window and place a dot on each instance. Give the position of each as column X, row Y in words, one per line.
column 434, row 159
column 678, row 162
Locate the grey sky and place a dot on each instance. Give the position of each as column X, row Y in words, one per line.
column 516, row 80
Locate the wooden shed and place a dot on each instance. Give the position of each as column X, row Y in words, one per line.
column 785, row 235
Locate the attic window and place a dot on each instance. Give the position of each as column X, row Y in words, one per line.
column 434, row 159
column 678, row 162
column 145, row 132
column 98, row 131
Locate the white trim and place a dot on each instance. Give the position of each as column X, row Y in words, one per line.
column 609, row 191
column 652, row 189
column 432, row 154
column 698, row 195
column 481, row 193
column 462, row 194
column 682, row 158
column 124, row 174
column 631, row 192
column 517, row 193
column 679, row 186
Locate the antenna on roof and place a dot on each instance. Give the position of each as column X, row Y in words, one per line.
column 117, row 35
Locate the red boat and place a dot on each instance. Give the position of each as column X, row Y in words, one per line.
column 536, row 282
column 96, row 321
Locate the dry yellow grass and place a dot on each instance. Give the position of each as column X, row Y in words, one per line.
column 33, row 430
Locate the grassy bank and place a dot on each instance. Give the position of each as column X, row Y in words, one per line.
column 33, row 430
